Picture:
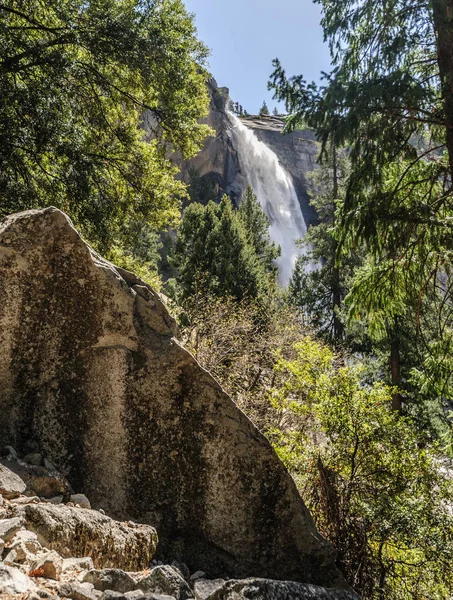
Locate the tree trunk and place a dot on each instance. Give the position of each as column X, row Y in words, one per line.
column 338, row 327
column 443, row 27
column 395, row 368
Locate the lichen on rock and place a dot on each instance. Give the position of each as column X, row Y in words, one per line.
column 93, row 377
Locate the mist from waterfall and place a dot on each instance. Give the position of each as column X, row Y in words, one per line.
column 275, row 191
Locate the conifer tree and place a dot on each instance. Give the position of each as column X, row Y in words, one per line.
column 264, row 109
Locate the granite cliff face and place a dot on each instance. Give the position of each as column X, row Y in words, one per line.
column 220, row 161
column 93, row 377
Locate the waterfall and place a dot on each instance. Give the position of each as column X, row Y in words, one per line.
column 275, row 191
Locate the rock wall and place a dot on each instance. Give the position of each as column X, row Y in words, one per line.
column 219, row 160
column 92, row 376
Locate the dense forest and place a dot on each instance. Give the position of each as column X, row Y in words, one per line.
column 348, row 370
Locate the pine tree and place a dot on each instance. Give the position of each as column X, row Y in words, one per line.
column 390, row 99
column 217, row 253
column 264, row 110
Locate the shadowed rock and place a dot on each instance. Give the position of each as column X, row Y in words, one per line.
column 92, row 377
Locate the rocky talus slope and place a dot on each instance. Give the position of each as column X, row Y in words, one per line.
column 59, row 547
column 100, row 399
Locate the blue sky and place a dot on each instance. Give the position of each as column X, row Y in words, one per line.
column 245, row 35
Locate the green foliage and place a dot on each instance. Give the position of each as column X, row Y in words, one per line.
column 201, row 189
column 375, row 491
column 321, row 278
column 76, row 80
column 264, row 110
column 226, row 252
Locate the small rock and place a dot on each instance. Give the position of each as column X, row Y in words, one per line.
column 81, row 500
column 134, row 595
column 9, row 527
column 166, row 580
column 111, row 595
column 110, row 579
column 13, row 581
column 2, row 545
column 34, row 458
column 44, row 594
column 11, row 485
column 9, row 451
column 39, row 481
column 197, row 575
column 23, row 548
column 30, row 498
column 56, row 500
column 78, row 564
column 48, row 465
column 182, row 568
column 205, row 587
column 47, row 565
column 76, row 591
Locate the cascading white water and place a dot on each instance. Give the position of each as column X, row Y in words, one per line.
column 275, row 191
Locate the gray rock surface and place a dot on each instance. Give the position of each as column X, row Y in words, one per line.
column 13, row 581
column 39, row 480
column 76, row 591
column 9, row 527
column 47, row 564
column 265, row 589
column 80, row 532
column 116, row 580
column 220, row 161
column 166, row 580
column 297, row 152
column 205, row 587
column 11, row 485
column 91, row 375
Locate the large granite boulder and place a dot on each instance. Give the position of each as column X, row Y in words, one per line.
column 92, row 377
column 265, row 589
column 80, row 532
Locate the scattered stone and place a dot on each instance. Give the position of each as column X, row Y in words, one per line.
column 39, row 481
column 78, row 564
column 31, row 499
column 183, row 568
column 77, row 591
column 9, row 527
column 110, row 579
column 11, row 485
column 197, row 575
column 13, row 581
column 166, row 580
column 80, row 532
column 111, row 595
column 9, row 451
column 44, row 594
column 48, row 465
column 23, row 548
column 81, row 500
column 56, row 500
column 134, row 595
column 2, row 545
column 205, row 587
column 48, row 565
column 34, row 458
column 254, row 589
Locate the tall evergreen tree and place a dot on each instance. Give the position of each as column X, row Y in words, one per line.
column 76, row 79
column 389, row 100
column 216, row 252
